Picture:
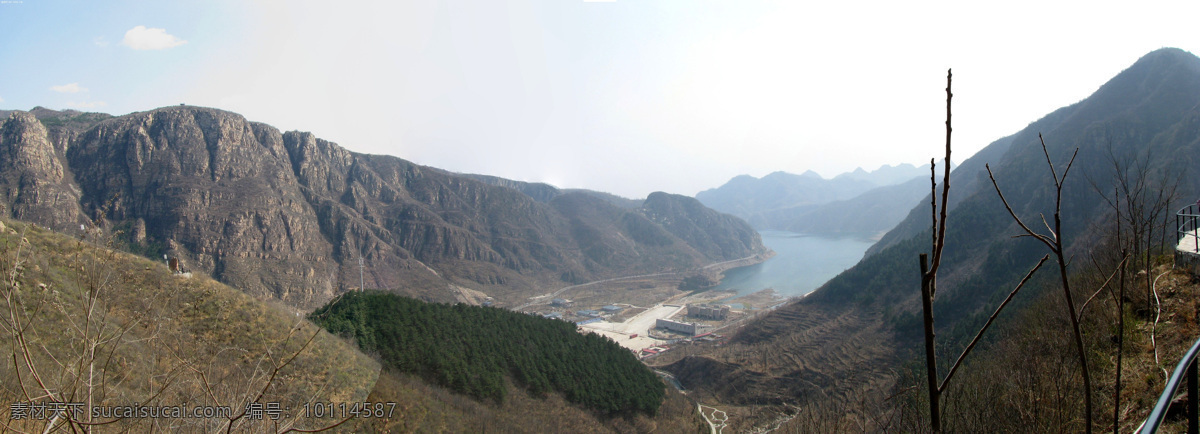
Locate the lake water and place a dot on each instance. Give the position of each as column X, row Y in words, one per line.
column 801, row 263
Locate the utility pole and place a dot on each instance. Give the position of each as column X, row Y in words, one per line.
column 360, row 274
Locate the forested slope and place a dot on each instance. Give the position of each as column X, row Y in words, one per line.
column 473, row 349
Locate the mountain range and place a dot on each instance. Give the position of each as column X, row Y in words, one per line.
column 858, row 202
column 849, row 338
column 287, row 215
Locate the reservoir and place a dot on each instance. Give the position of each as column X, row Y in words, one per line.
column 802, row 262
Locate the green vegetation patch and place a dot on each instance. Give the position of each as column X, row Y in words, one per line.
column 470, row 349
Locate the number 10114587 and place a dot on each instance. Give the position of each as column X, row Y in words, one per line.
column 342, row 410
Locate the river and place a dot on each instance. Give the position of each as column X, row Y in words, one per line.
column 801, row 264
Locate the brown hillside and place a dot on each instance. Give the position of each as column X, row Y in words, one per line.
column 288, row 215
column 87, row 324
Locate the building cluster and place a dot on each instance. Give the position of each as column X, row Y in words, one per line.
column 579, row 317
column 676, row 326
column 653, row 351
column 708, row 311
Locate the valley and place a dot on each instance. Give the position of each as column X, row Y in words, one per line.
column 847, row 355
column 294, row 222
column 626, row 309
column 192, row 254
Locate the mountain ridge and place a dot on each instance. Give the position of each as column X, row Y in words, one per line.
column 811, row 204
column 286, row 215
column 1150, row 112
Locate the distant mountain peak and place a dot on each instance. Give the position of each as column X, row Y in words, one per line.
column 905, row 166
column 1154, row 73
column 1165, row 60
column 885, row 175
column 1167, row 53
column 810, row 174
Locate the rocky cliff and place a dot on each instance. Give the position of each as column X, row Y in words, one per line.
column 287, row 215
column 33, row 181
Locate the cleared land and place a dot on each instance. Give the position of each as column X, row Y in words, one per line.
column 640, row 325
column 644, row 289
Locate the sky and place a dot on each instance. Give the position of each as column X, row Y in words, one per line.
column 625, row 96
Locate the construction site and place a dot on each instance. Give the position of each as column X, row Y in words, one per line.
column 652, row 330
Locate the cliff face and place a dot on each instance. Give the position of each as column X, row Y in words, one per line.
column 214, row 190
column 33, row 182
column 288, row 215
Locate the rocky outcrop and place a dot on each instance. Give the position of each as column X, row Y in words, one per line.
column 215, row 191
column 33, row 182
column 289, row 215
column 540, row 192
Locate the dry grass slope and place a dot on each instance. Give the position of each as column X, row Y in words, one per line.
column 86, row 324
column 835, row 359
column 427, row 408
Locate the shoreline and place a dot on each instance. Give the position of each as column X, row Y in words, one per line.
column 717, row 270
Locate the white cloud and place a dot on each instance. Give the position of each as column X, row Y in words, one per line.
column 69, row 88
column 100, row 41
column 86, row 104
column 142, row 38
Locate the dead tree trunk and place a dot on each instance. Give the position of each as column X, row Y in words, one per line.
column 1053, row 241
column 929, row 284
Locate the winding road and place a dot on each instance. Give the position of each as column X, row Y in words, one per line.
column 717, row 419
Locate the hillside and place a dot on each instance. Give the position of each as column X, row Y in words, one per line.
column 165, row 339
column 473, row 350
column 112, row 329
column 746, row 196
column 286, row 215
column 1149, row 113
column 872, row 213
column 428, row 408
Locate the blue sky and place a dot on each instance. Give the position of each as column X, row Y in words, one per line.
column 627, row 96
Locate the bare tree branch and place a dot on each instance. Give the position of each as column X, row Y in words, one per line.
column 1105, row 285
column 1054, row 243
column 1029, row 232
column 992, row 318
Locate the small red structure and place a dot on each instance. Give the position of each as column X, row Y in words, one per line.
column 633, row 336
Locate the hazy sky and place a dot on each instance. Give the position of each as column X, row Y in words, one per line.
column 626, row 96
